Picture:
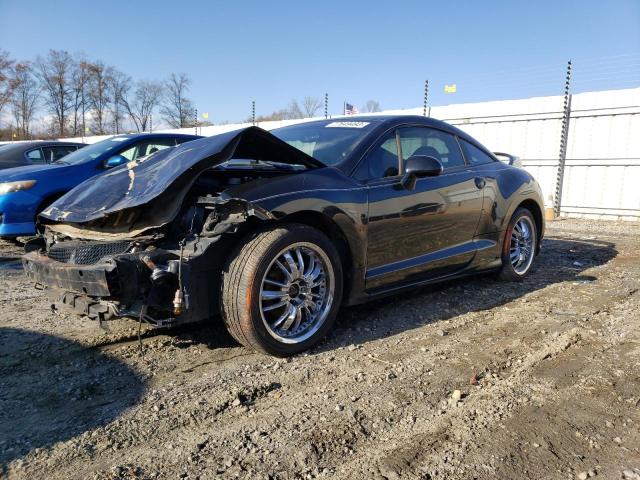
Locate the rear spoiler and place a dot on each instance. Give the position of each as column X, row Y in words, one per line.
column 510, row 159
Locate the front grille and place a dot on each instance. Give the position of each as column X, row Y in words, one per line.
column 85, row 253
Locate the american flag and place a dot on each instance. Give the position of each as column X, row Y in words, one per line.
column 350, row 109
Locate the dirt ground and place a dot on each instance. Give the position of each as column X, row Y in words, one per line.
column 474, row 379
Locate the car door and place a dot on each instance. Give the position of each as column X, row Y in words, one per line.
column 426, row 232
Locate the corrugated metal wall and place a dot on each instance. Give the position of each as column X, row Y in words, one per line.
column 602, row 172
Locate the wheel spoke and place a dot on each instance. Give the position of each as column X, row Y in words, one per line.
column 518, row 229
column 293, row 268
column 284, row 316
column 272, row 294
column 284, row 270
column 300, row 261
column 317, row 271
column 298, row 319
column 276, row 283
column 274, row 306
column 311, row 265
column 294, row 313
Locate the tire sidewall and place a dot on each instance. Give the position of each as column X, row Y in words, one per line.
column 506, row 260
column 294, row 235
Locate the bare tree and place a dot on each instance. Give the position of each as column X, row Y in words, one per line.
column 25, row 98
column 98, row 94
column 178, row 111
column 140, row 106
column 80, row 80
column 371, row 106
column 119, row 86
column 311, row 105
column 293, row 111
column 55, row 72
column 6, row 74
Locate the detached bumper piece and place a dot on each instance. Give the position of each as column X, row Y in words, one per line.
column 87, row 306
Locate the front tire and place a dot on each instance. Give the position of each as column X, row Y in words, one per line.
column 282, row 289
column 519, row 247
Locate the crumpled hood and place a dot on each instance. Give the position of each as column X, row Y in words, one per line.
column 165, row 177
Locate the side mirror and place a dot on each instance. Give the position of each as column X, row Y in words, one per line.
column 115, row 161
column 419, row 166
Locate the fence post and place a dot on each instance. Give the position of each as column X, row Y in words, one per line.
column 326, row 105
column 426, row 97
column 564, row 136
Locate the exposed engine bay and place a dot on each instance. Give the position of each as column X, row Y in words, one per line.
column 155, row 274
column 149, row 260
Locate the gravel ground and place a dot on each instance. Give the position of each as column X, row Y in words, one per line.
column 474, row 379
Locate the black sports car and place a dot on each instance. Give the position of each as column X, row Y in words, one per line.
column 275, row 231
column 34, row 153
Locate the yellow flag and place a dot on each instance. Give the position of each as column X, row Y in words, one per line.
column 205, row 115
column 450, row 88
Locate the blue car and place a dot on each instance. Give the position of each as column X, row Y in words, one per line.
column 26, row 191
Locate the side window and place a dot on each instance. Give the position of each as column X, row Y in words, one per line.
column 431, row 142
column 382, row 161
column 474, row 155
column 130, row 153
column 52, row 154
column 147, row 147
column 35, row 156
column 156, row 145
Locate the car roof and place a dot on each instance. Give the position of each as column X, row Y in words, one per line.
column 383, row 124
column 391, row 120
column 156, row 135
column 41, row 143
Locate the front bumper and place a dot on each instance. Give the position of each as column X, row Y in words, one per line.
column 90, row 280
column 124, row 284
column 17, row 229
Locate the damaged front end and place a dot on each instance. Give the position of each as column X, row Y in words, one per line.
column 150, row 239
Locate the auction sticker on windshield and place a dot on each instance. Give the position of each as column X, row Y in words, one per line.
column 346, row 124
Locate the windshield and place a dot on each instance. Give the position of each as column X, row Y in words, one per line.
column 329, row 141
column 90, row 152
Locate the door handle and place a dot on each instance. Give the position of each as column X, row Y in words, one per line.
column 480, row 182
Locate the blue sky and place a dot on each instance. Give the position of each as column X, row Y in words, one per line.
column 236, row 51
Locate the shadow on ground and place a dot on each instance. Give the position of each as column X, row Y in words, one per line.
column 560, row 260
column 52, row 389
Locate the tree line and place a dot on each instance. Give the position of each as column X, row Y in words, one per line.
column 85, row 97
column 80, row 97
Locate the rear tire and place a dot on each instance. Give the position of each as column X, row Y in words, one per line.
column 281, row 289
column 519, row 247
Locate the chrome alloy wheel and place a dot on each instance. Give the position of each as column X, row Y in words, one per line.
column 296, row 292
column 522, row 248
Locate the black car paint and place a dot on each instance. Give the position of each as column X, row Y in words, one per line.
column 16, row 155
column 389, row 237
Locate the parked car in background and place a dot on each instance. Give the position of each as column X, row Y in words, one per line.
column 275, row 231
column 26, row 191
column 35, row 153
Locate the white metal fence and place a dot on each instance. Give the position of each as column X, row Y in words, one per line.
column 602, row 169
